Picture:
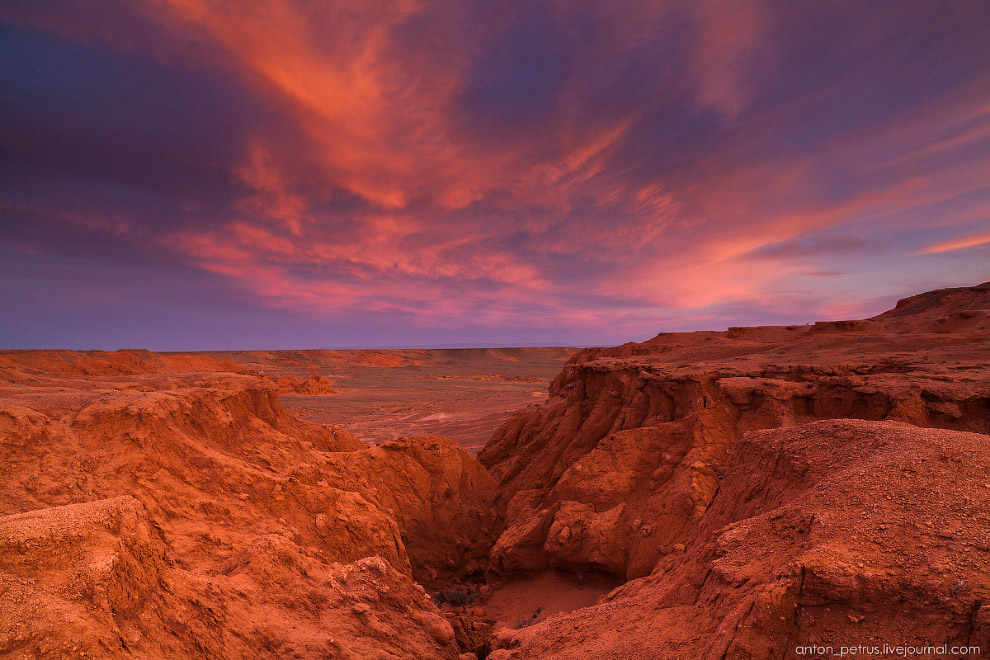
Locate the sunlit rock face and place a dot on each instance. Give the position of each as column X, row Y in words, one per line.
column 764, row 484
column 192, row 514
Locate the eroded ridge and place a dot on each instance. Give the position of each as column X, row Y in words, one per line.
column 645, row 456
column 200, row 519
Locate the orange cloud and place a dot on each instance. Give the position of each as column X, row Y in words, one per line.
column 378, row 119
column 958, row 243
column 274, row 198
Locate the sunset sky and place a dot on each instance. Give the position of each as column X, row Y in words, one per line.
column 194, row 174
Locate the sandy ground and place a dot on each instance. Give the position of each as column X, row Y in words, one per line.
column 463, row 394
column 529, row 600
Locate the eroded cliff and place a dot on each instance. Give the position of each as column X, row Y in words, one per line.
column 194, row 517
column 621, row 464
column 753, row 491
column 832, row 534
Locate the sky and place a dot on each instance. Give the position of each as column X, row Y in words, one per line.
column 194, row 174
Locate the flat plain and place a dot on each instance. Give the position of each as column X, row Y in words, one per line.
column 379, row 395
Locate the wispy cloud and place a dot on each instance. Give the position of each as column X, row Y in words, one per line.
column 958, row 243
column 605, row 167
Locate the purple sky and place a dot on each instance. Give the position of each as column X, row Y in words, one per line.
column 183, row 174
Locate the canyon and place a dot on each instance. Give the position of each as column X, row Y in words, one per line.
column 737, row 494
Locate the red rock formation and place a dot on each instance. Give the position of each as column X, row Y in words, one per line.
column 107, row 363
column 242, row 532
column 313, row 384
column 99, row 580
column 839, row 533
column 646, row 457
column 758, row 491
column 624, row 459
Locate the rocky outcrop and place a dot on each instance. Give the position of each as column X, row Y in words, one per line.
column 61, row 363
column 619, row 467
column 98, row 580
column 840, row 533
column 221, row 526
column 311, row 385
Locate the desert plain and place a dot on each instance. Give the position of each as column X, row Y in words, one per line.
column 767, row 492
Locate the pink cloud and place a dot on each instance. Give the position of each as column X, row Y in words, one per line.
column 636, row 191
column 957, row 243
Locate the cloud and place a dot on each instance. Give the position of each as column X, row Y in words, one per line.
column 814, row 247
column 957, row 243
column 595, row 166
